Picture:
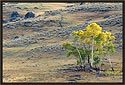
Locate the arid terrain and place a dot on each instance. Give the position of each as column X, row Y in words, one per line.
column 32, row 47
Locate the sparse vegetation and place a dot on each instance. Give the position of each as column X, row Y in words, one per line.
column 33, row 51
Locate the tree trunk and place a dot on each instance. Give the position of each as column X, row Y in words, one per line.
column 80, row 57
column 89, row 62
column 92, row 50
column 110, row 62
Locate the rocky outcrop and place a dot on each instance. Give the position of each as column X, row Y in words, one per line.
column 117, row 21
column 29, row 15
column 14, row 16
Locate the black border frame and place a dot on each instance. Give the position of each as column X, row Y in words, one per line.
column 62, row 1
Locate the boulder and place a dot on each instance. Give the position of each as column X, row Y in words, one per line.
column 18, row 7
column 4, row 21
column 36, row 8
column 14, row 15
column 11, row 26
column 37, row 29
column 29, row 15
column 107, row 16
column 28, row 23
column 16, row 37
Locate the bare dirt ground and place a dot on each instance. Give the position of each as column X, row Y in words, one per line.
column 46, row 69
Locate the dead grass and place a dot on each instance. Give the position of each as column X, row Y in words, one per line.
column 43, row 69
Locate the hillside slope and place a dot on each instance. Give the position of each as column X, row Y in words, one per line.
column 32, row 47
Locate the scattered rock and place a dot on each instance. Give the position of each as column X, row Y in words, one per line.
column 117, row 21
column 47, row 13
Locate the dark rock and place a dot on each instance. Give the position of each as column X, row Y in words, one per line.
column 37, row 29
column 18, row 7
column 29, row 15
column 25, row 8
column 5, row 21
column 106, row 16
column 14, row 15
column 42, row 38
column 52, row 12
column 28, row 23
column 117, row 21
column 75, row 75
column 38, row 16
column 65, row 70
column 16, row 37
column 28, row 58
column 100, row 75
column 70, row 6
column 36, row 8
column 11, row 27
column 82, row 3
column 96, row 69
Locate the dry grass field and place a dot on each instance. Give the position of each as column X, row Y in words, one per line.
column 24, row 62
column 45, row 69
